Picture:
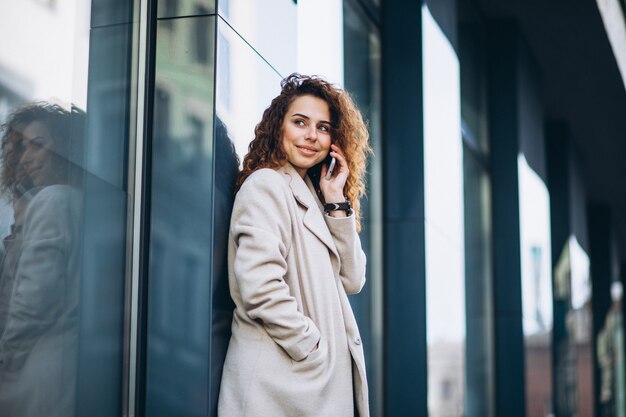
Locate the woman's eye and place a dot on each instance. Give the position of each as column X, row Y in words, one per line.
column 35, row 144
column 299, row 122
column 324, row 128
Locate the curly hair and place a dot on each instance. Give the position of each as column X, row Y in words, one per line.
column 348, row 131
column 59, row 122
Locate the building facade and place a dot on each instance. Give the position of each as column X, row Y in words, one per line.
column 494, row 223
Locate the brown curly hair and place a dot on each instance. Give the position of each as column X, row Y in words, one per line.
column 348, row 131
column 64, row 127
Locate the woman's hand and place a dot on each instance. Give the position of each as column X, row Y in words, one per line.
column 332, row 189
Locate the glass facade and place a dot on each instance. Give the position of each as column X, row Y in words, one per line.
column 572, row 331
column 444, row 219
column 479, row 360
column 536, row 289
column 124, row 124
column 178, row 339
column 67, row 98
column 362, row 56
column 181, row 8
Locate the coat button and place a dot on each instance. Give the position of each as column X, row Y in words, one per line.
column 357, row 340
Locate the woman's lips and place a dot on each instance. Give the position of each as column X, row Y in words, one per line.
column 307, row 151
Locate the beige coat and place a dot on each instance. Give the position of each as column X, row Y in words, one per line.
column 290, row 267
column 39, row 284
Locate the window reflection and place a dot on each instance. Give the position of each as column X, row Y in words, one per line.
column 245, row 85
column 181, row 223
column 610, row 356
column 536, row 288
column 444, row 230
column 579, row 321
column 270, row 27
column 39, row 275
column 362, row 80
column 201, row 34
column 179, row 8
column 478, row 276
column 63, row 209
column 572, row 331
column 479, row 353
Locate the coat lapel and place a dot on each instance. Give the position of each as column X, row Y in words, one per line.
column 304, row 193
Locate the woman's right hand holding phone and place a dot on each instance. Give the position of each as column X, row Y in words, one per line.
column 332, row 188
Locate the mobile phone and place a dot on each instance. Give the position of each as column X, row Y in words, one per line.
column 331, row 167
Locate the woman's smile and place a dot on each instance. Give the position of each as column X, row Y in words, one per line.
column 307, row 150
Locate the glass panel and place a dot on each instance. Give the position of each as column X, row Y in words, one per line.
column 269, row 26
column 106, row 157
column 176, row 8
column 362, row 80
column 64, row 207
column 180, row 247
column 472, row 41
column 320, row 33
column 478, row 278
column 373, row 6
column 246, row 85
column 444, row 230
column 572, row 331
column 610, row 353
column 479, row 355
column 580, row 326
column 239, row 107
column 536, row 268
column 110, row 12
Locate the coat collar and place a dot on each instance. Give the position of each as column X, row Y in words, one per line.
column 304, row 193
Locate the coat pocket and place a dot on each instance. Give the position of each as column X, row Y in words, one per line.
column 313, row 359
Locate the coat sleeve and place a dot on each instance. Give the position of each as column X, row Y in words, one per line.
column 348, row 243
column 261, row 230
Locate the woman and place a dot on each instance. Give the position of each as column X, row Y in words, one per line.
column 39, row 279
column 295, row 348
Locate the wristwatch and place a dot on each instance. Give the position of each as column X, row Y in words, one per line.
column 345, row 205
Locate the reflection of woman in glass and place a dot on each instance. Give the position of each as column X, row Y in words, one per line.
column 295, row 349
column 38, row 273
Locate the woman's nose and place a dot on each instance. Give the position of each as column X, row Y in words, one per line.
column 26, row 158
column 311, row 133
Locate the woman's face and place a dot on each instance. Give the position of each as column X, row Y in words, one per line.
column 306, row 132
column 39, row 161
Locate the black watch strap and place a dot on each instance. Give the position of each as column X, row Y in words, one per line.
column 344, row 205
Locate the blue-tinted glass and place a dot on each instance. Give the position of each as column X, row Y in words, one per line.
column 444, row 217
column 65, row 108
column 472, row 45
column 536, row 269
column 176, row 8
column 362, row 80
column 478, row 278
column 245, row 85
column 479, row 355
column 180, row 248
column 111, row 12
column 105, row 221
column 270, row 27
